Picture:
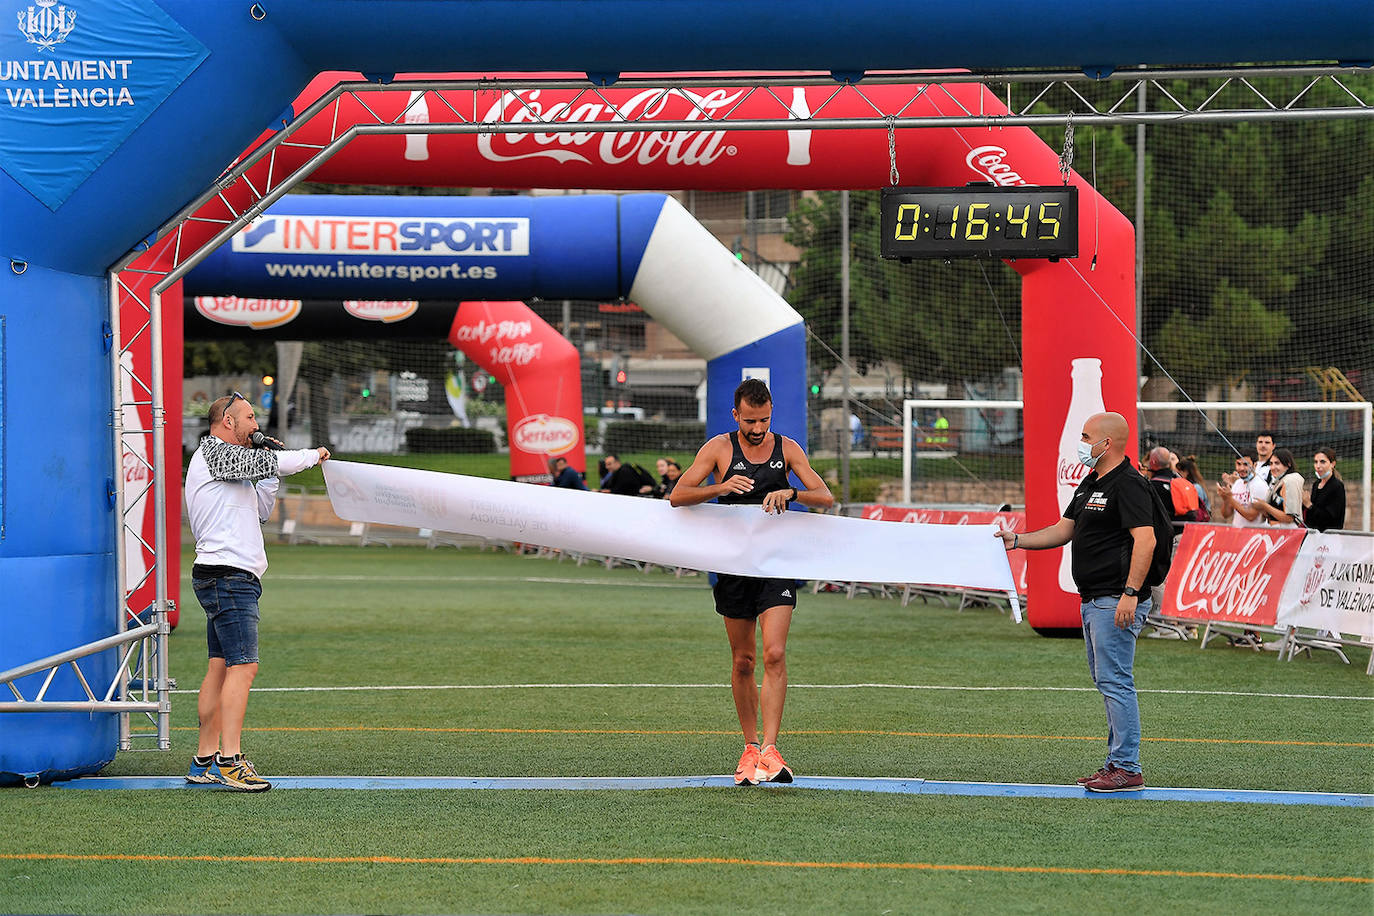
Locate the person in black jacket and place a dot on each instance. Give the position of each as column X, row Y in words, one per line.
column 1324, row 507
column 624, row 480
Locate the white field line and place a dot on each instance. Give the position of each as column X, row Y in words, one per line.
column 615, row 583
column 645, row 686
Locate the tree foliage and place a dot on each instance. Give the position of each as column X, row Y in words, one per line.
column 933, row 321
column 1259, row 255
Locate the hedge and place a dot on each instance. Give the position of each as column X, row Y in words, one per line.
column 452, row 439
column 649, row 436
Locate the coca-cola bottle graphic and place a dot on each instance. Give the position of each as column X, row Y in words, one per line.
column 1085, row 401
column 138, row 500
column 799, row 141
column 417, row 145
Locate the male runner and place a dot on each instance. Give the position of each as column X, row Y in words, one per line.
column 752, row 466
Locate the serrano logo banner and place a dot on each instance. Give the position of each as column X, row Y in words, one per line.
column 384, row 311
column 248, row 313
column 545, row 435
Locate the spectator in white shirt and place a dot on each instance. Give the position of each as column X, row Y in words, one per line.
column 231, row 488
column 1238, row 493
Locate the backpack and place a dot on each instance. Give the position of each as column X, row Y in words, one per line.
column 1204, row 514
column 645, row 479
column 1185, row 501
column 1163, row 524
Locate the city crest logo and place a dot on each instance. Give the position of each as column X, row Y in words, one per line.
column 45, row 26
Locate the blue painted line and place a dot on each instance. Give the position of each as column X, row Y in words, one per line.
column 833, row 783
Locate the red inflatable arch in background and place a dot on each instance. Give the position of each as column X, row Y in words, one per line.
column 1074, row 309
column 542, row 375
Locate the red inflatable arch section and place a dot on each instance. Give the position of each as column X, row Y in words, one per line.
column 542, row 374
column 1075, row 309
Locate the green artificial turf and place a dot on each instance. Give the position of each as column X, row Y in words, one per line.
column 378, row 617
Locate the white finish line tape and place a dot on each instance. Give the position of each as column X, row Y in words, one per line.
column 740, row 540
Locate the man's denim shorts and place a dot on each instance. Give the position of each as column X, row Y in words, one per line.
column 230, row 599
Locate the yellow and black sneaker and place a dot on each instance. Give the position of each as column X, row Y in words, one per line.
column 238, row 774
column 204, row 771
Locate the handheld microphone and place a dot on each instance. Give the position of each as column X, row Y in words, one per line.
column 261, row 441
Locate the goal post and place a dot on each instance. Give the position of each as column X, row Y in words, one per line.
column 1241, row 412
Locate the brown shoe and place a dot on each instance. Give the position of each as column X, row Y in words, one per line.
column 1084, row 780
column 1116, row 780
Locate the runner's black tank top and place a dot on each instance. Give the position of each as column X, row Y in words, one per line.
column 768, row 477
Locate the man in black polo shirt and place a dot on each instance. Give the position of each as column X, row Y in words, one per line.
column 1111, row 520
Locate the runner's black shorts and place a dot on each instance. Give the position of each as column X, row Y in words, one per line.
column 744, row 597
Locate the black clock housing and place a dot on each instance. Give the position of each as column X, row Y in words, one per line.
column 980, row 221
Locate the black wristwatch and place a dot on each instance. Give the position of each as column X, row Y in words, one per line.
column 1131, row 592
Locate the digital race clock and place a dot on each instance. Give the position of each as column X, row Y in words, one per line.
column 980, row 221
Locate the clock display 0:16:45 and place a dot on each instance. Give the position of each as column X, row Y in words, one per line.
column 975, row 221
column 979, row 221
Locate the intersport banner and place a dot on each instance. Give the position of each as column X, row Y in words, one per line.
column 1231, row 575
column 1004, row 521
column 1331, row 585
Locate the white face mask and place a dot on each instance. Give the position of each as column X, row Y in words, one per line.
column 1085, row 453
column 1324, row 476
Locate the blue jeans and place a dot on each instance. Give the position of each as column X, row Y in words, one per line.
column 231, row 611
column 1111, row 657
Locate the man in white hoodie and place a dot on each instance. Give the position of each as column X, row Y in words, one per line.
column 231, row 488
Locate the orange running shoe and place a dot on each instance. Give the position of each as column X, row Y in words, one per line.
column 748, row 766
column 772, row 768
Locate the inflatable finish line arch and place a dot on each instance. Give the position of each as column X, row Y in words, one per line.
column 644, row 247
column 90, row 102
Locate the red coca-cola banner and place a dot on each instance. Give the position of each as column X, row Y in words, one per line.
column 649, row 159
column 1232, row 575
column 539, row 367
column 1007, row 521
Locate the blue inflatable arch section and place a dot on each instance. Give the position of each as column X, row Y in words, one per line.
column 643, row 247
column 121, row 116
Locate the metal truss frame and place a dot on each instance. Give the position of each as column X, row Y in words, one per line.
column 1033, row 98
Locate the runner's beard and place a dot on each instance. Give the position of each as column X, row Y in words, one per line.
column 755, row 438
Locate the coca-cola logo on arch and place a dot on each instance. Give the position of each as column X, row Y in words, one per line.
column 1071, row 472
column 689, row 147
column 135, row 468
column 544, row 434
column 990, row 162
